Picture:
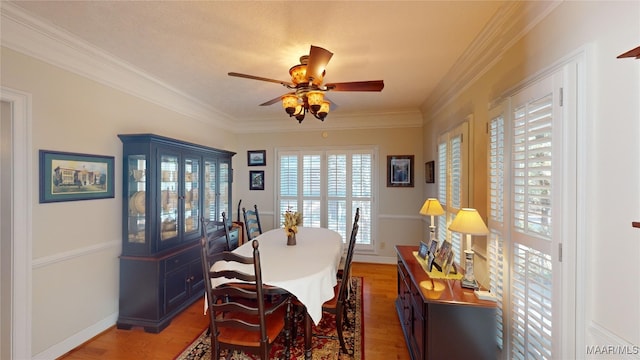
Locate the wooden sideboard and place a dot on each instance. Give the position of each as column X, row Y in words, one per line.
column 451, row 324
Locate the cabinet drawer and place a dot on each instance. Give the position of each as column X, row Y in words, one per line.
column 174, row 262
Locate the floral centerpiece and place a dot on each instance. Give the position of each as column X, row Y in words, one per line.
column 292, row 219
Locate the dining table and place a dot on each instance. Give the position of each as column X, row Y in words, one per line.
column 306, row 270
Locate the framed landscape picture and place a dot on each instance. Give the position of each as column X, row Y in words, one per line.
column 256, row 158
column 68, row 176
column 400, row 171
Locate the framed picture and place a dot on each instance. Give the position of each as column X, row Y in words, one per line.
column 430, row 172
column 442, row 255
column 430, row 262
column 68, row 176
column 256, row 180
column 256, row 157
column 433, row 247
column 423, row 250
column 400, row 171
column 448, row 265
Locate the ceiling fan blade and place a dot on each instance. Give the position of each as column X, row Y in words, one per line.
column 274, row 100
column 374, row 85
column 283, row 83
column 318, row 60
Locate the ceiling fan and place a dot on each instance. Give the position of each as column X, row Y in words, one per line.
column 307, row 95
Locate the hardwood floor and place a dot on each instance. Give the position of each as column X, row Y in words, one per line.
column 383, row 338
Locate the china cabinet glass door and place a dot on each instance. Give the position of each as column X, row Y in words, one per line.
column 191, row 195
column 210, row 192
column 225, row 172
column 169, row 190
column 137, row 182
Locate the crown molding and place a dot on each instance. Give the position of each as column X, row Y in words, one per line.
column 26, row 34
column 511, row 22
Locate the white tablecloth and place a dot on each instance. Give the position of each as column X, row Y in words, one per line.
column 306, row 270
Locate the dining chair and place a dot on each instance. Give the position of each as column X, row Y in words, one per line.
column 214, row 230
column 356, row 218
column 337, row 305
column 252, row 222
column 239, row 316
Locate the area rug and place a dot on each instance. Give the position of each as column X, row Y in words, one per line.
column 325, row 337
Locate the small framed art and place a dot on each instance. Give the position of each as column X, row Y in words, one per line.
column 68, row 176
column 423, row 250
column 256, row 158
column 430, row 172
column 400, row 171
column 256, row 180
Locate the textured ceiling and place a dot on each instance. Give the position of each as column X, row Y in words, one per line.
column 192, row 45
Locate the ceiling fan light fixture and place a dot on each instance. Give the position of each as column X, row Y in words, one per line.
column 324, row 108
column 289, row 103
column 306, row 92
column 315, row 99
column 298, row 74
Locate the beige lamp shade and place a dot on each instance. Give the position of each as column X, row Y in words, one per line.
column 468, row 221
column 432, row 207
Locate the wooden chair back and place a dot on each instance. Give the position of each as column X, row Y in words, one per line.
column 240, row 319
column 252, row 222
column 214, row 231
column 337, row 305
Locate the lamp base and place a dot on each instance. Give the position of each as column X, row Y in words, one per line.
column 469, row 284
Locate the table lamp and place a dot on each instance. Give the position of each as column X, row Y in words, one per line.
column 433, row 208
column 469, row 222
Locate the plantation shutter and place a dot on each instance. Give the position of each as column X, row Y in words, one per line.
column 362, row 194
column 531, row 276
column 452, row 182
column 311, row 190
column 495, row 221
column 288, row 186
column 337, row 193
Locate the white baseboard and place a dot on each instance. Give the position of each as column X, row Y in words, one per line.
column 77, row 339
column 603, row 344
column 375, row 259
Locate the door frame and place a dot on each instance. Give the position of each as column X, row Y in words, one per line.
column 21, row 278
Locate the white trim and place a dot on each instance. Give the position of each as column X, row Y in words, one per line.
column 76, row 253
column 21, row 298
column 606, row 338
column 401, row 217
column 373, row 259
column 584, row 118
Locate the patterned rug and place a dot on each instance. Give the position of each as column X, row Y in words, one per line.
column 325, row 338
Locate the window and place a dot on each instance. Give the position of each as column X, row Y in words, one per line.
column 524, row 265
column 452, row 182
column 328, row 185
column 495, row 219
